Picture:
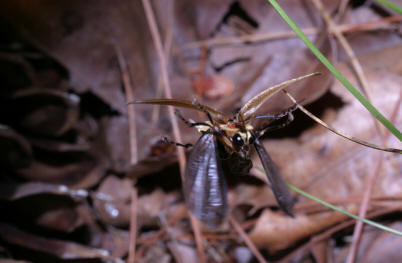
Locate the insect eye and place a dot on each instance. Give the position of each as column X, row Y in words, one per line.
column 237, row 140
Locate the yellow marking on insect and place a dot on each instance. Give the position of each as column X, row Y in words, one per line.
column 204, row 128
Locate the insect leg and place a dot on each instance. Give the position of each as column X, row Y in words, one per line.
column 268, row 127
column 167, row 140
column 202, row 108
column 187, row 122
column 278, row 115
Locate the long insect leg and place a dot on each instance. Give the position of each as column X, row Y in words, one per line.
column 278, row 115
column 268, row 127
column 167, row 140
column 187, row 122
column 203, row 109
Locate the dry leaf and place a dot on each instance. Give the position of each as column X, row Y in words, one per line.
column 276, row 232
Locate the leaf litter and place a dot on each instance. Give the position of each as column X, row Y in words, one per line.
column 67, row 177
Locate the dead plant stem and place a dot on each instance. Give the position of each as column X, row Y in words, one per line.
column 168, row 93
column 133, row 150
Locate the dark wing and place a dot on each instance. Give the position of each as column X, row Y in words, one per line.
column 184, row 104
column 205, row 185
column 279, row 187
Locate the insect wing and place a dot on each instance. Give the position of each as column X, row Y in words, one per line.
column 279, row 187
column 205, row 185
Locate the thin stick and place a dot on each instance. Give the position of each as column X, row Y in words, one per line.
column 367, row 194
column 130, row 108
column 168, row 93
column 365, row 88
column 167, row 49
column 253, row 38
column 133, row 150
column 246, row 239
column 198, row 237
column 366, row 91
column 346, row 136
column 176, row 132
column 133, row 226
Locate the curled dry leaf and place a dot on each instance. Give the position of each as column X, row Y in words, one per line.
column 58, row 248
column 15, row 151
column 113, row 207
column 13, row 261
column 63, row 218
column 58, row 146
column 12, row 192
column 45, row 112
column 276, row 232
column 82, row 173
column 15, row 72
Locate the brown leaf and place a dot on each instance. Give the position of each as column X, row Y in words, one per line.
column 58, row 248
column 183, row 253
column 45, row 112
column 62, row 218
column 380, row 246
column 84, row 173
column 150, row 207
column 113, row 207
column 13, row 192
column 276, row 232
column 16, row 150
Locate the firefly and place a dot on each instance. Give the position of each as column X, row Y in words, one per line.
column 204, row 186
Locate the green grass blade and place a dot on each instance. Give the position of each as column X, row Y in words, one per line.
column 367, row 221
column 335, row 72
column 390, row 5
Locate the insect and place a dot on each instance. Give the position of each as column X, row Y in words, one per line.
column 230, row 138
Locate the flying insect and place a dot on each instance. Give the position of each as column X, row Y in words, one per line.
column 205, row 187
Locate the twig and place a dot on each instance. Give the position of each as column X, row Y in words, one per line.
column 168, row 93
column 253, row 38
column 133, row 226
column 133, row 150
column 367, row 194
column 342, row 9
column 198, row 237
column 246, row 239
column 364, row 86
column 167, row 49
column 130, row 108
